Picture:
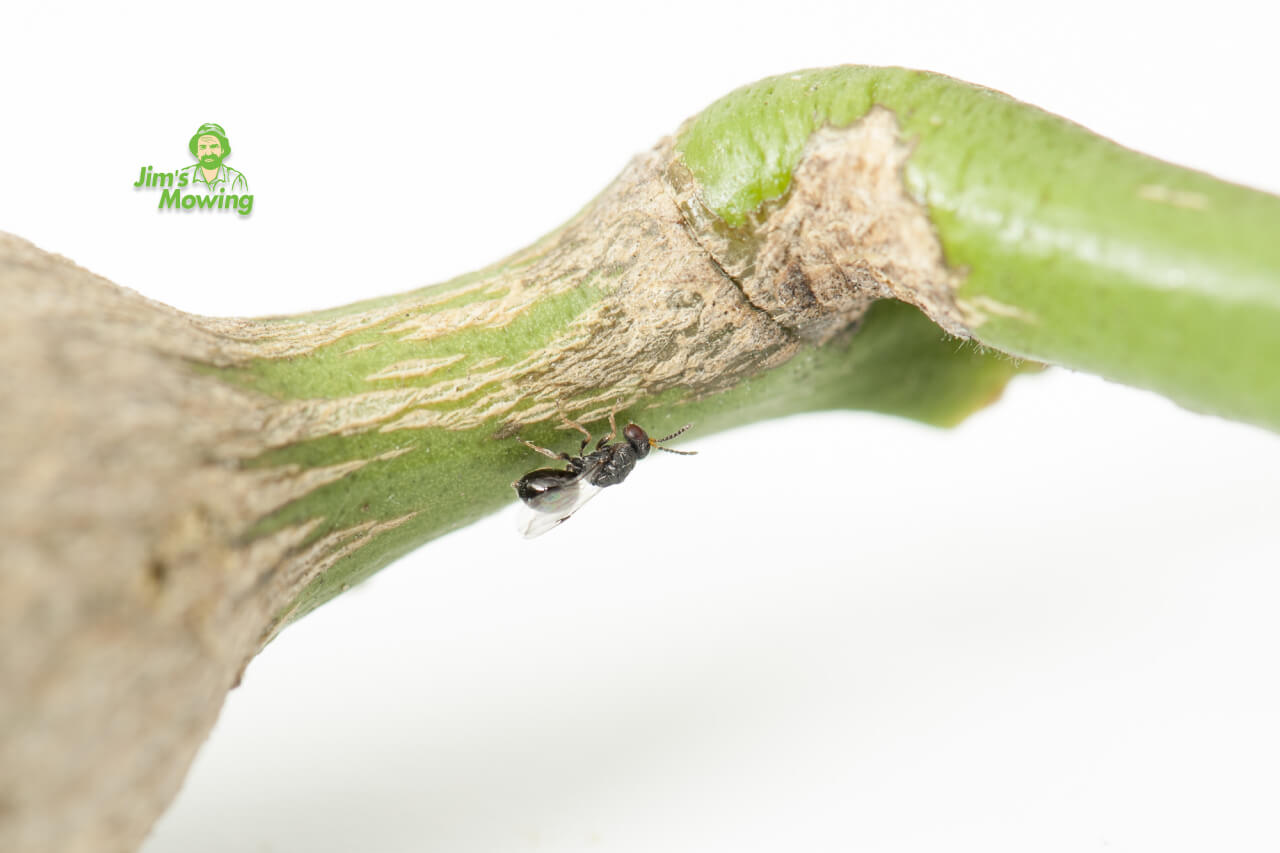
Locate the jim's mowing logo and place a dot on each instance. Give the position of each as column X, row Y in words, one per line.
column 208, row 185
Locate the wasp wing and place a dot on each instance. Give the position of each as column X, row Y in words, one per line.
column 554, row 508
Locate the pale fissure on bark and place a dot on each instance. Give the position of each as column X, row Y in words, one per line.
column 844, row 235
column 130, row 595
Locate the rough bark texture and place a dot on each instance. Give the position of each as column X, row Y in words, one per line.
column 125, row 606
column 844, row 235
column 131, row 596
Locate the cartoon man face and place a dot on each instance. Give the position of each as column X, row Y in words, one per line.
column 210, row 146
column 209, row 152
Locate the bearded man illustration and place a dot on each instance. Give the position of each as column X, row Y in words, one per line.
column 210, row 147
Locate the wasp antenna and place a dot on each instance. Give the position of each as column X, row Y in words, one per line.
column 681, row 452
column 657, row 441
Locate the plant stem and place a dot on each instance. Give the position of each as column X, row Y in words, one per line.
column 176, row 489
column 1070, row 249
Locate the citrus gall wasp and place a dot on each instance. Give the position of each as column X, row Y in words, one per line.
column 554, row 494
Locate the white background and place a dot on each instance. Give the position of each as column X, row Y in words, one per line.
column 1050, row 629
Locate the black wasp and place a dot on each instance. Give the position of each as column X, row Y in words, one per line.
column 554, row 494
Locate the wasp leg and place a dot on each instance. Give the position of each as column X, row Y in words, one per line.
column 613, row 430
column 545, row 452
column 580, row 428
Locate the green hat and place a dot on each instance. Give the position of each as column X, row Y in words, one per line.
column 210, row 129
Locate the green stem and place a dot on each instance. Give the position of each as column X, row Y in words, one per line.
column 179, row 488
column 443, row 479
column 1074, row 250
column 1050, row 242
